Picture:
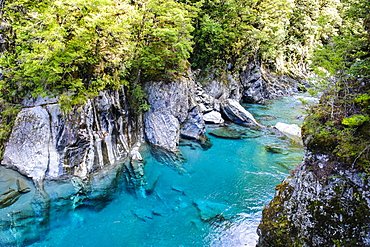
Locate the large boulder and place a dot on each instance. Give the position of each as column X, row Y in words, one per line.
column 292, row 131
column 213, row 117
column 194, row 127
column 29, row 147
column 236, row 113
column 322, row 203
column 173, row 112
column 162, row 130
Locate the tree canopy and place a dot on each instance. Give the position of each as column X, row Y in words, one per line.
column 76, row 48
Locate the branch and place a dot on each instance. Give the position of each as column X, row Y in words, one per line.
column 353, row 164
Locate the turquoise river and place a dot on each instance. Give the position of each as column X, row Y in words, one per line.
column 233, row 180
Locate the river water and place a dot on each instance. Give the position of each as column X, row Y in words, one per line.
column 217, row 201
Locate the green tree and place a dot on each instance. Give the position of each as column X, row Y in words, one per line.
column 161, row 33
column 78, row 47
column 224, row 33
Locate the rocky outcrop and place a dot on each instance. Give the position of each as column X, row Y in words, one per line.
column 322, row 204
column 260, row 85
column 215, row 91
column 238, row 114
column 173, row 112
column 56, row 162
column 292, row 131
column 45, row 143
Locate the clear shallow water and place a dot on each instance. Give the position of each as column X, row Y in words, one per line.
column 237, row 177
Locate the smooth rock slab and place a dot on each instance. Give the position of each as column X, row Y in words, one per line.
column 27, row 150
column 213, row 117
column 162, row 130
column 236, row 113
column 210, row 210
column 235, row 132
column 194, row 126
column 291, row 130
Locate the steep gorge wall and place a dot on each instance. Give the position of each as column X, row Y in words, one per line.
column 55, row 162
column 320, row 204
column 324, row 202
column 65, row 161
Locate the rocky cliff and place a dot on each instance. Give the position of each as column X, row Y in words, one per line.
column 320, row 204
column 326, row 200
column 66, row 161
column 54, row 162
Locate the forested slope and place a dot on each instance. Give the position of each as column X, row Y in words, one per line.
column 74, row 49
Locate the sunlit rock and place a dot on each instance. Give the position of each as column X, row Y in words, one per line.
column 162, row 130
column 291, row 130
column 236, row 113
column 213, row 117
column 27, row 150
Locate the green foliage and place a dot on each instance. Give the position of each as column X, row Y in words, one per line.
column 73, row 46
column 161, row 34
column 355, row 120
column 340, row 125
column 224, row 33
column 77, row 48
column 8, row 113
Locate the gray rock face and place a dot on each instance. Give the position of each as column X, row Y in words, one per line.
column 162, row 130
column 236, row 113
column 46, row 144
column 260, row 85
column 321, row 204
column 68, row 160
column 194, row 127
column 210, row 96
column 169, row 108
column 170, row 115
column 28, row 147
column 213, row 117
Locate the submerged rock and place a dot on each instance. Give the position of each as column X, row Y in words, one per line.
column 293, row 131
column 236, row 113
column 210, row 210
column 178, row 189
column 28, row 147
column 227, row 133
column 275, row 149
column 235, row 132
column 144, row 214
